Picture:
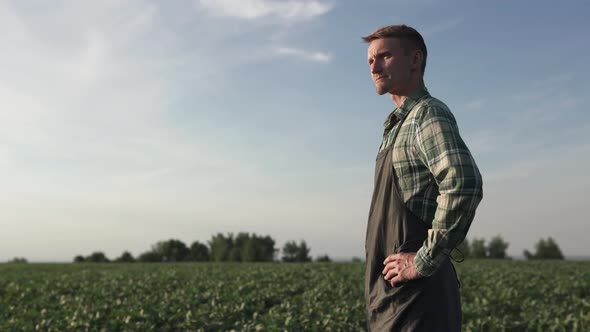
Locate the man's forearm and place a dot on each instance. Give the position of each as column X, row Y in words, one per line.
column 449, row 228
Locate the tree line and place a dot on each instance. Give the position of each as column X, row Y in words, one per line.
column 246, row 247
column 243, row 247
column 496, row 249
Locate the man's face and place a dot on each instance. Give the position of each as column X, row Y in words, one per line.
column 390, row 66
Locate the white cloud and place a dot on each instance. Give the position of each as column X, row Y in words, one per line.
column 304, row 54
column 90, row 134
column 262, row 27
column 87, row 103
column 290, row 10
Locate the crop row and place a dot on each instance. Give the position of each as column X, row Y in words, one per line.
column 496, row 296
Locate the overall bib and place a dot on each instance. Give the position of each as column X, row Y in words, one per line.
column 427, row 304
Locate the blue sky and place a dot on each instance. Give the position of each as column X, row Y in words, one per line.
column 123, row 123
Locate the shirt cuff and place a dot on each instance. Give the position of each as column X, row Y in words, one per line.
column 427, row 265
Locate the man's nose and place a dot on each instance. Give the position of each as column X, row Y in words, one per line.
column 375, row 67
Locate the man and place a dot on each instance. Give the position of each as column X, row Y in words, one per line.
column 427, row 187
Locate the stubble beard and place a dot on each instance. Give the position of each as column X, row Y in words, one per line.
column 381, row 89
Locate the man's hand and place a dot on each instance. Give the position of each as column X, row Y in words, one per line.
column 400, row 268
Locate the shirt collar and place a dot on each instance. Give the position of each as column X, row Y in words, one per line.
column 405, row 108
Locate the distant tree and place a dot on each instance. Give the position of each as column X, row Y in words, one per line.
column 356, row 260
column 545, row 249
column 18, row 260
column 548, row 250
column 97, row 257
column 290, row 250
column 251, row 250
column 220, row 247
column 149, row 257
column 296, row 253
column 265, row 247
column 244, row 247
column 478, row 248
column 79, row 259
column 126, row 257
column 199, row 252
column 323, row 259
column 239, row 243
column 256, row 248
column 497, row 247
column 303, row 254
column 172, row 250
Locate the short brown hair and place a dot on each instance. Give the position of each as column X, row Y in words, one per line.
column 410, row 38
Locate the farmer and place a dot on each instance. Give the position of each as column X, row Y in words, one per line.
column 427, row 187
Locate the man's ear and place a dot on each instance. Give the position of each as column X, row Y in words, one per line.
column 417, row 59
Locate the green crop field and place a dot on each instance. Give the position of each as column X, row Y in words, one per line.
column 496, row 296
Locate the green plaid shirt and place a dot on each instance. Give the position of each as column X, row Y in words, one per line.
column 437, row 176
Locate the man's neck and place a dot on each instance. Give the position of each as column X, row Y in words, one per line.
column 399, row 99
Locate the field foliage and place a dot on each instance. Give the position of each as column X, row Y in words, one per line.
column 496, row 295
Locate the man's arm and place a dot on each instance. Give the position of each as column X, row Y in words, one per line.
column 440, row 147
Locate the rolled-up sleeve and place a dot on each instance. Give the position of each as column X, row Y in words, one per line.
column 440, row 148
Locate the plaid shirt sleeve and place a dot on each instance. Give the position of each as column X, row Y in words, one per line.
column 441, row 149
